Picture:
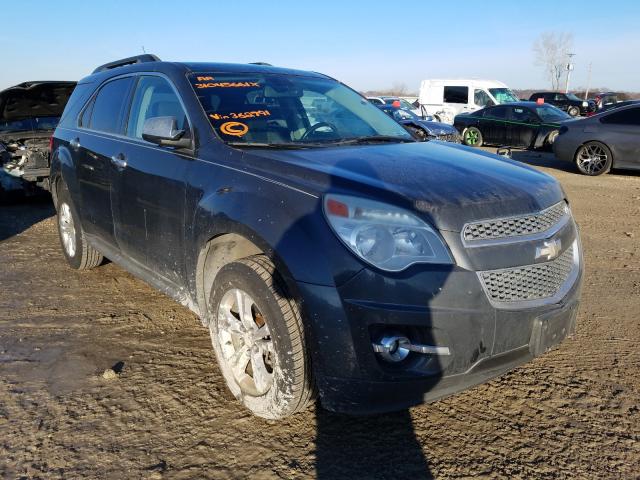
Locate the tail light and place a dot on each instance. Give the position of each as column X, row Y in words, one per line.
column 50, row 145
column 540, row 101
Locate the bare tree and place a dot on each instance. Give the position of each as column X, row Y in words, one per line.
column 399, row 88
column 550, row 50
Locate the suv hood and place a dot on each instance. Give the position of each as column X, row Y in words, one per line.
column 34, row 99
column 448, row 184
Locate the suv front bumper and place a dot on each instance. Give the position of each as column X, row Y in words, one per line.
column 485, row 341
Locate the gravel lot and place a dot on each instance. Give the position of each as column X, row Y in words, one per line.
column 573, row 413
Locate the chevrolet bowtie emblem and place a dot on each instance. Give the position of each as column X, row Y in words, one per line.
column 549, row 249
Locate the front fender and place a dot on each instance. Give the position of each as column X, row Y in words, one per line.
column 287, row 225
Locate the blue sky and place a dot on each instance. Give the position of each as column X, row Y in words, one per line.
column 367, row 45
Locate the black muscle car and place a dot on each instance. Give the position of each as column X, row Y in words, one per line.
column 521, row 124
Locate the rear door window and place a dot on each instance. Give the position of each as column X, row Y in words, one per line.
column 109, row 104
column 456, row 94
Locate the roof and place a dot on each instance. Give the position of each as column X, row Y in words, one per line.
column 453, row 81
column 519, row 104
column 150, row 62
column 244, row 68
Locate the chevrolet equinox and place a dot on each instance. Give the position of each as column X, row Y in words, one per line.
column 327, row 251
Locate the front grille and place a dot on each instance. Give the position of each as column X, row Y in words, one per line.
column 515, row 226
column 530, row 282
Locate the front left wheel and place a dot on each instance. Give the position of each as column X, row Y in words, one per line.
column 258, row 337
column 573, row 111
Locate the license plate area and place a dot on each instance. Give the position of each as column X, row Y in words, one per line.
column 551, row 329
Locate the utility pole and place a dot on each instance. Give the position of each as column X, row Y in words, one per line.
column 586, row 94
column 569, row 68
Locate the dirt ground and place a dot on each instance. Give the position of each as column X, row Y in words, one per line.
column 572, row 413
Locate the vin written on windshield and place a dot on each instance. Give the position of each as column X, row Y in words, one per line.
column 276, row 109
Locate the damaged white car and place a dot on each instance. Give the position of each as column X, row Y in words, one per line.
column 29, row 113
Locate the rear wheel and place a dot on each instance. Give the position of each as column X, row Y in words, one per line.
column 79, row 254
column 257, row 334
column 573, row 111
column 593, row 158
column 472, row 137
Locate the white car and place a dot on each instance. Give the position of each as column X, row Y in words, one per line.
column 446, row 98
column 404, row 104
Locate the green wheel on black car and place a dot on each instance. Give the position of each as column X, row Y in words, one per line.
column 472, row 137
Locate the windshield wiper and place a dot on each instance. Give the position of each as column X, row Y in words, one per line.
column 373, row 139
column 290, row 145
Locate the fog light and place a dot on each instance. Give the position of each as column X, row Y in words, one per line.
column 395, row 348
column 392, row 348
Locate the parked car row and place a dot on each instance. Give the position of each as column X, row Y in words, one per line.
column 329, row 253
column 567, row 102
column 610, row 139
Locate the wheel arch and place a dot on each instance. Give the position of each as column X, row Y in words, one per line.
column 62, row 170
column 226, row 228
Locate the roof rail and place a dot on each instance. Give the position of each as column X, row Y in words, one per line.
column 147, row 57
column 261, row 63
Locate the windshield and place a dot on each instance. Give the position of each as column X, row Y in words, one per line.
column 405, row 105
column 572, row 96
column 287, row 110
column 29, row 124
column 503, row 95
column 548, row 113
column 400, row 114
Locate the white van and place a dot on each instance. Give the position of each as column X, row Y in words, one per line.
column 444, row 99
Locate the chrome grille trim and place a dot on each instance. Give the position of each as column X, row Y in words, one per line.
column 532, row 285
column 517, row 228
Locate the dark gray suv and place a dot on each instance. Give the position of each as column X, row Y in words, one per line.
column 327, row 251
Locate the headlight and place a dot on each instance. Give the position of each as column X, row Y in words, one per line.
column 585, row 104
column 387, row 237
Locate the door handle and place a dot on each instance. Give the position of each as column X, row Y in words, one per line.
column 119, row 161
column 75, row 143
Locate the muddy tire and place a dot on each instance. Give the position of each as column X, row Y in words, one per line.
column 79, row 254
column 472, row 137
column 593, row 158
column 258, row 337
column 573, row 111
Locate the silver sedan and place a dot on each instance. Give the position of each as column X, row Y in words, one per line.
column 608, row 140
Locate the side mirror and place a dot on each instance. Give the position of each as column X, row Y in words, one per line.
column 164, row 131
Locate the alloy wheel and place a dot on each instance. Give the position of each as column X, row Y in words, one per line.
column 245, row 342
column 471, row 137
column 592, row 159
column 67, row 229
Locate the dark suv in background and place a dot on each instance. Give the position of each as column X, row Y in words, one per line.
column 568, row 102
column 325, row 249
